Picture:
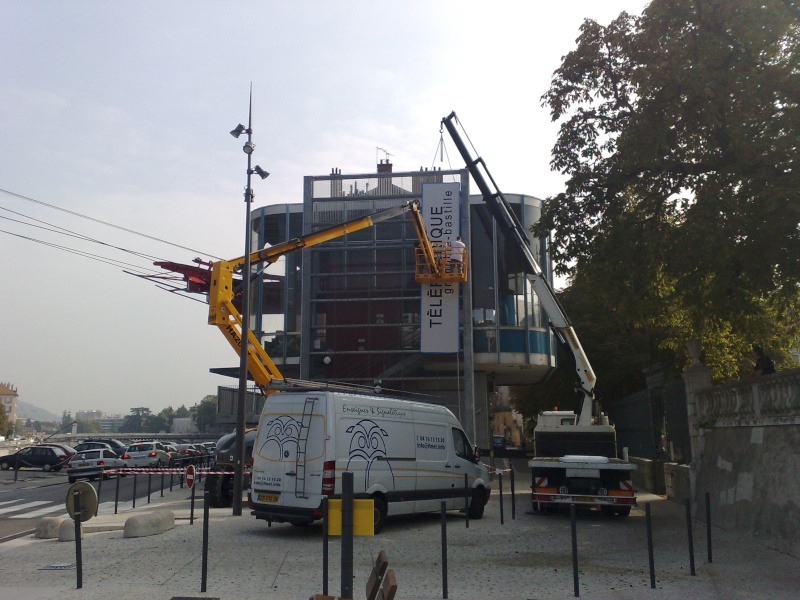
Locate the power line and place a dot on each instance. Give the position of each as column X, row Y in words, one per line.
column 29, row 199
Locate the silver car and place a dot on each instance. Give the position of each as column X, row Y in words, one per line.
column 146, row 454
column 93, row 464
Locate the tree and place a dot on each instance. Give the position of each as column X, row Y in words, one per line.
column 136, row 421
column 206, row 414
column 680, row 135
column 89, row 426
column 3, row 423
column 182, row 412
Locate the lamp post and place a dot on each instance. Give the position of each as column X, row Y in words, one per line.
column 238, row 472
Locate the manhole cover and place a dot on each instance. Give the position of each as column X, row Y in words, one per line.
column 58, row 567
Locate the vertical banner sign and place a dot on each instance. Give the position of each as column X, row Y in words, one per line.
column 439, row 310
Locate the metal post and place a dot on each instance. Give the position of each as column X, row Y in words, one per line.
column 116, row 495
column 149, row 481
column 513, row 498
column 708, row 526
column 135, row 477
column 238, row 470
column 500, row 488
column 573, row 519
column 691, row 537
column 347, row 535
column 444, row 549
column 466, row 498
column 191, row 507
column 99, row 489
column 162, row 484
column 204, row 574
column 325, row 546
column 649, row 523
column 76, row 503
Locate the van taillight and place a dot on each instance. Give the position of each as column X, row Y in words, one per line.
column 328, row 477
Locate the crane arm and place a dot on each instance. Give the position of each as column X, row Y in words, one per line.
column 514, row 231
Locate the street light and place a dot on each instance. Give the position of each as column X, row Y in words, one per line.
column 238, row 471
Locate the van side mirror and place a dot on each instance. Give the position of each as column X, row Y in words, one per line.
column 476, row 451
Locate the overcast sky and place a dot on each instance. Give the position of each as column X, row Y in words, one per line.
column 120, row 112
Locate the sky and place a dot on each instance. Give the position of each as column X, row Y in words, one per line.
column 115, row 128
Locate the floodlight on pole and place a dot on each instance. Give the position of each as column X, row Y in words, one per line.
column 240, row 129
column 260, row 172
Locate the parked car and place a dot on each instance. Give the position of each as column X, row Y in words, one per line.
column 93, row 464
column 83, row 446
column 146, row 454
column 116, row 445
column 189, row 454
column 46, row 458
column 68, row 450
column 175, row 455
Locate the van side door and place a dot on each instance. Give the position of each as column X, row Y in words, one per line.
column 464, row 463
column 435, row 479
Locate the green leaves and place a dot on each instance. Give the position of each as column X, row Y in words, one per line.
column 680, row 137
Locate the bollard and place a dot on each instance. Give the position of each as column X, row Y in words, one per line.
column 204, row 574
column 649, row 523
column 573, row 518
column 466, row 498
column 76, row 502
column 135, row 477
column 500, row 489
column 513, row 498
column 116, row 495
column 99, row 489
column 162, row 484
column 171, row 479
column 149, row 481
column 191, row 507
column 690, row 536
column 708, row 526
column 444, row 549
column 347, row 535
column 325, row 546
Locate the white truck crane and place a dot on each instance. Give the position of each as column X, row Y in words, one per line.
column 575, row 454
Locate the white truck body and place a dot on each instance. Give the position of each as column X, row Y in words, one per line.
column 407, row 456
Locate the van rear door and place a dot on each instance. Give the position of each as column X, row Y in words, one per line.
column 289, row 451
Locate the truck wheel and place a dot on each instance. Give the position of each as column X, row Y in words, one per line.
column 379, row 513
column 478, row 504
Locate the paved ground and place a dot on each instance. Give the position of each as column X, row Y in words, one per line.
column 525, row 558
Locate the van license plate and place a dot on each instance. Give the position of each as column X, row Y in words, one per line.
column 588, row 499
column 83, row 464
column 267, row 498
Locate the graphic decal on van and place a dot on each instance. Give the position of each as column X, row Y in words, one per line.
column 280, row 441
column 367, row 444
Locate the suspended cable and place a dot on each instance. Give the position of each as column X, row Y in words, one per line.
column 10, row 193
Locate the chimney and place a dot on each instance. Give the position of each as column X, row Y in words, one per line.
column 384, row 166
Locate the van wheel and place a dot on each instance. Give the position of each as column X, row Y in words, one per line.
column 380, row 513
column 478, row 504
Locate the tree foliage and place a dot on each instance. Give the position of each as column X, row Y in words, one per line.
column 680, row 137
column 206, row 414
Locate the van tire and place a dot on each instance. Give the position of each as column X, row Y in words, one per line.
column 478, row 504
column 379, row 512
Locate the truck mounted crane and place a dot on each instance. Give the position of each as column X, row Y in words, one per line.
column 575, row 454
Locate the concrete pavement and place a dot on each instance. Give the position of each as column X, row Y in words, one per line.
column 525, row 558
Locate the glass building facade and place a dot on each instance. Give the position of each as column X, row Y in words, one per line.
column 349, row 310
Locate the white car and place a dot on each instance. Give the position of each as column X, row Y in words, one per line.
column 93, row 464
column 146, row 454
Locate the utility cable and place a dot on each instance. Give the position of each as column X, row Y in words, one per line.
column 10, row 193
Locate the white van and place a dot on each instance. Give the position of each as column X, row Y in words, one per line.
column 407, row 456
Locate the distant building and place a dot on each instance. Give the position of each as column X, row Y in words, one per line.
column 89, row 415
column 8, row 400
column 183, row 425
